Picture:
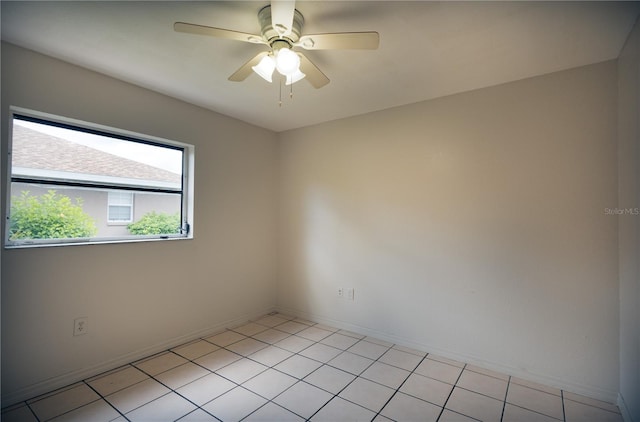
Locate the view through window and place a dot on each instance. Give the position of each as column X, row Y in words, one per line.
column 76, row 184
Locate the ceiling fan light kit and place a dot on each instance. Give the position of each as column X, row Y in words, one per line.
column 281, row 28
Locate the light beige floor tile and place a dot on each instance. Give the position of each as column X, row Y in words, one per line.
column 218, row 359
column 326, row 327
column 350, row 362
column 438, row 370
column 303, row 399
column 270, row 383
column 198, row 415
column 591, row 402
column 234, row 405
column 518, row 414
column 250, row 329
column 271, row 412
column 351, row 334
column 448, row 361
column 98, row 411
column 271, row 336
column 321, row 352
column 298, row 366
column 536, row 400
column 483, row 384
column 401, row 359
column 182, row 375
column 475, row 405
column 489, row 372
column 116, row 380
column 428, row 389
column 378, row 341
column 294, row 344
column 410, row 350
column 270, row 356
column 368, row 349
column 536, row 386
column 205, row 389
column 304, row 321
column 339, row 341
column 449, row 416
column 579, row 412
column 137, row 395
column 247, row 346
column 19, row 413
column 330, row 379
column 367, row 393
column 195, row 349
column 341, row 410
column 381, row 418
column 271, row 320
column 166, row 408
column 241, row 370
column 62, row 401
column 314, row 333
column 291, row 327
column 160, row 363
column 385, row 374
column 225, row 338
column 406, row 408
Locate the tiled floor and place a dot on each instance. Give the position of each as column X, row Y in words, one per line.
column 282, row 369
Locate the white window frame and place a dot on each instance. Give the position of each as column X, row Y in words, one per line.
column 117, row 199
column 186, row 192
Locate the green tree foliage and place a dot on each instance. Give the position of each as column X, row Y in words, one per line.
column 156, row 223
column 49, row 216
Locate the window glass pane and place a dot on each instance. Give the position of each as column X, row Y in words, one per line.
column 70, row 184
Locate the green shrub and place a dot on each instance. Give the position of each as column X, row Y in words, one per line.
column 156, row 223
column 49, row 216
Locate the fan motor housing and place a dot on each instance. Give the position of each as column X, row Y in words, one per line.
column 271, row 35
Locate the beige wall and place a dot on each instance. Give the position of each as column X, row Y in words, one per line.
column 471, row 226
column 629, row 224
column 139, row 297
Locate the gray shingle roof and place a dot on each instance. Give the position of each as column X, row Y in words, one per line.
column 36, row 150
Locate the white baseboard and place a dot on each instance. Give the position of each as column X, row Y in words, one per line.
column 545, row 379
column 69, row 378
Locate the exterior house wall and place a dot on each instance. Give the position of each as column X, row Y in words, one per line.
column 95, row 204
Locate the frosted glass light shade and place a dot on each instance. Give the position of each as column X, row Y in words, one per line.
column 265, row 68
column 292, row 79
column 287, row 62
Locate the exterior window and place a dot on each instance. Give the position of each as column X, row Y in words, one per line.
column 75, row 182
column 120, row 207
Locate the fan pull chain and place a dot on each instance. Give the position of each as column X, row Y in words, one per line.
column 280, row 94
column 291, row 91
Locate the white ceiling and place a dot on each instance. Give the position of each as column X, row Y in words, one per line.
column 427, row 49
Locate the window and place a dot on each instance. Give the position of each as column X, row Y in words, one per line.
column 75, row 182
column 120, row 208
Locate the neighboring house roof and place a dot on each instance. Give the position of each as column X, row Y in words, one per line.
column 36, row 153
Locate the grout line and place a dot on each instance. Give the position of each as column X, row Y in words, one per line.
column 564, row 415
column 444, row 405
column 504, row 402
column 105, row 400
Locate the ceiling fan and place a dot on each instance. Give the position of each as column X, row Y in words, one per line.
column 281, row 29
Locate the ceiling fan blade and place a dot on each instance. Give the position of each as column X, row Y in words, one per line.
column 340, row 41
column 282, row 16
column 314, row 75
column 191, row 28
column 245, row 70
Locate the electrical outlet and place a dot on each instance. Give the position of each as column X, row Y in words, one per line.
column 80, row 326
column 350, row 294
column 340, row 292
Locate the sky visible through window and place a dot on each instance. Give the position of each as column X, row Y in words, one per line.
column 164, row 158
